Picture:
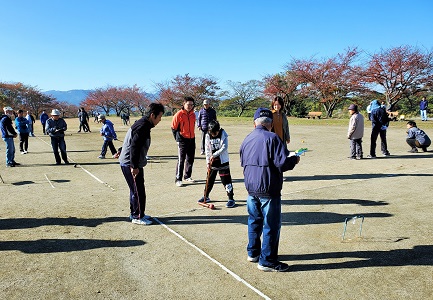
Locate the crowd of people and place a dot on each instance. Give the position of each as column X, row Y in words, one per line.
column 264, row 157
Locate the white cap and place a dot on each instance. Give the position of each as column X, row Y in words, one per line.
column 6, row 108
column 55, row 112
column 206, row 102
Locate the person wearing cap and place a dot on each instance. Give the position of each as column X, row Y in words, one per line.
column 56, row 127
column 22, row 126
column 264, row 158
column 379, row 123
column 183, row 129
column 416, row 138
column 205, row 116
column 109, row 134
column 355, row 132
column 8, row 135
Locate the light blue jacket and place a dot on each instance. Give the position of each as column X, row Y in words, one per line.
column 107, row 131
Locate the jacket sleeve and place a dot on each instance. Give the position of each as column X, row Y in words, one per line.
column 281, row 158
column 138, row 139
column 175, row 127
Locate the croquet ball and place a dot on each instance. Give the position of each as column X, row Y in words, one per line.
column 211, row 206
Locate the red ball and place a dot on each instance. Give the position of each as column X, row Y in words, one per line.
column 211, row 206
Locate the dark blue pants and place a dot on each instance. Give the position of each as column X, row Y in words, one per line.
column 137, row 192
column 58, row 142
column 108, row 144
column 383, row 145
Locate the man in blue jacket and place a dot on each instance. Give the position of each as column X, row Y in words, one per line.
column 264, row 158
column 8, row 135
column 379, row 126
column 108, row 133
column 205, row 116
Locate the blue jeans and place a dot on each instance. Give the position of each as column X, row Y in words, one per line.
column 424, row 115
column 10, row 150
column 264, row 219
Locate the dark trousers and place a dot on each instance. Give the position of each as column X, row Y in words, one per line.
column 226, row 180
column 108, row 144
column 137, row 192
column 383, row 146
column 85, row 126
column 186, row 152
column 58, row 142
column 203, row 139
column 24, row 141
column 356, row 148
column 43, row 128
column 415, row 144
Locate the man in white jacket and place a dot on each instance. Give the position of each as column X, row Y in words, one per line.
column 355, row 132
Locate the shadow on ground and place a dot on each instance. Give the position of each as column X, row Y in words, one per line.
column 64, row 245
column 421, row 255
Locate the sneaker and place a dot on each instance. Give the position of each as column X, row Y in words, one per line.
column 101, row 156
column 279, row 267
column 253, row 259
column 202, row 153
column 10, row 165
column 413, row 150
column 16, row 164
column 371, row 156
column 179, row 183
column 201, row 200
column 25, row 152
column 145, row 216
column 66, row 162
column 389, row 154
column 351, row 157
column 358, row 157
column 189, row 180
column 231, row 203
column 22, row 152
column 142, row 221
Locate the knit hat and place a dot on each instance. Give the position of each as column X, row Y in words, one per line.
column 353, row 107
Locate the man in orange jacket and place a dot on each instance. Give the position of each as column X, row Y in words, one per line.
column 183, row 126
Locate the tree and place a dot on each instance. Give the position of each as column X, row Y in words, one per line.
column 18, row 95
column 171, row 93
column 243, row 94
column 401, row 72
column 283, row 85
column 330, row 81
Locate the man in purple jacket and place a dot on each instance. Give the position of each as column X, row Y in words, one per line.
column 205, row 116
column 264, row 158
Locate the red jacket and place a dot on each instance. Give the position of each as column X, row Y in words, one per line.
column 183, row 124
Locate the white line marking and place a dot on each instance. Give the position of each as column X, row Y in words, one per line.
column 49, row 181
column 237, row 277
column 78, row 165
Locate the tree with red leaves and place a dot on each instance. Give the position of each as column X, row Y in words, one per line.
column 283, row 85
column 401, row 72
column 330, row 81
column 171, row 94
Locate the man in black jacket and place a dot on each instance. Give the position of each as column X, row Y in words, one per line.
column 133, row 159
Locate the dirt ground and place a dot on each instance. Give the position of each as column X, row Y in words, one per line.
column 65, row 232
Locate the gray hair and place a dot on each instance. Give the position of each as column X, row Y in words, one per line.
column 263, row 121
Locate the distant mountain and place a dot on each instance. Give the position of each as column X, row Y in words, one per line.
column 72, row 96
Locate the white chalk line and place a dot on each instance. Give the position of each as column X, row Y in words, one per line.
column 234, row 275
column 78, row 165
column 49, row 181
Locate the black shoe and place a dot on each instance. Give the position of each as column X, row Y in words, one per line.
column 279, row 267
column 10, row 165
column 58, row 163
column 66, row 162
column 16, row 164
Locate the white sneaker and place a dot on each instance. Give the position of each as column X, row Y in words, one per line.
column 22, row 152
column 142, row 221
column 179, row 183
column 189, row 180
column 25, row 152
column 253, row 259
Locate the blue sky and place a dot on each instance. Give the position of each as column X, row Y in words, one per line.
column 76, row 44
